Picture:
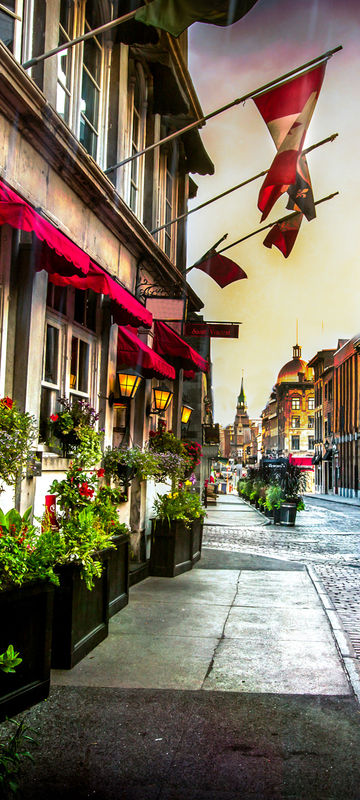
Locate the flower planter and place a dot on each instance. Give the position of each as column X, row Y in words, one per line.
column 118, row 571
column 196, row 540
column 288, row 514
column 171, row 548
column 26, row 620
column 81, row 617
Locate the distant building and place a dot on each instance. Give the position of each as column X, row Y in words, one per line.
column 346, row 419
column 323, row 365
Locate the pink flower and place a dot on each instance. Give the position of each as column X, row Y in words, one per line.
column 54, row 417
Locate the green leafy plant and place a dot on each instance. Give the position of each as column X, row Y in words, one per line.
column 274, row 497
column 87, row 521
column 293, row 482
column 17, row 433
column 179, row 505
column 166, row 442
column 9, row 660
column 26, row 555
column 75, row 429
column 12, row 753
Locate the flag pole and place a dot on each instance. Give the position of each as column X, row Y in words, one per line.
column 234, row 188
column 201, row 120
column 270, row 225
column 90, row 34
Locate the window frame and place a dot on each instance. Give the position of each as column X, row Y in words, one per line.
column 296, row 403
column 18, row 18
column 136, row 79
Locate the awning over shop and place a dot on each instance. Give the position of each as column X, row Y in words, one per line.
column 301, row 461
column 168, row 97
column 167, row 343
column 16, row 212
column 125, row 308
column 132, row 352
column 66, row 263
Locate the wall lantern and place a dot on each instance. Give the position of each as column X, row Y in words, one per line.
column 162, row 397
column 128, row 384
column 186, row 412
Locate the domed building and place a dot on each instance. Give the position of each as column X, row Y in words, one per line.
column 294, row 391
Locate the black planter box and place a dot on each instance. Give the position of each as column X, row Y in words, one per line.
column 196, row 540
column 171, row 548
column 26, row 620
column 288, row 514
column 81, row 617
column 118, row 571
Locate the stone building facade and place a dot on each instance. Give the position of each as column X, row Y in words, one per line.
column 78, row 251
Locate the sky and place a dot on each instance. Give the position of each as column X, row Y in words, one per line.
column 319, row 283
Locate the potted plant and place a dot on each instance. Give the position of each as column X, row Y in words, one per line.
column 293, row 482
column 84, row 535
column 273, row 501
column 176, row 532
column 17, row 433
column 74, row 428
column 27, row 558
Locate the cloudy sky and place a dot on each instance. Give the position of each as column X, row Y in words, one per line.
column 319, row 284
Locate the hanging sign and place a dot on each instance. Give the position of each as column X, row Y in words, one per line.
column 216, row 330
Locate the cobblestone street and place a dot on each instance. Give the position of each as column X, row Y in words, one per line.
column 326, row 536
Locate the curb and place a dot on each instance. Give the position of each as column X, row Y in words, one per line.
column 343, row 645
column 268, row 521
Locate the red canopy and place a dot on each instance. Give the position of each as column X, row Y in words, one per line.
column 66, row 263
column 168, row 343
column 301, row 461
column 134, row 353
column 16, row 212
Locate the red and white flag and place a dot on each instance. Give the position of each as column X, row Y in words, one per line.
column 283, row 234
column 287, row 110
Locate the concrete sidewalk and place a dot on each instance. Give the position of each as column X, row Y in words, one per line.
column 222, row 683
column 231, row 511
column 333, row 498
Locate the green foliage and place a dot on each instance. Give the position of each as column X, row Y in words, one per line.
column 179, row 505
column 26, row 555
column 274, row 497
column 88, row 519
column 75, row 429
column 9, row 660
column 122, row 465
column 17, row 433
column 166, row 442
column 293, row 482
column 12, row 753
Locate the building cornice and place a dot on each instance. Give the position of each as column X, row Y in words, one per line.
column 26, row 107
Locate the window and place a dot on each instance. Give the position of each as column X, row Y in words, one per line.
column 311, row 403
column 137, row 97
column 310, row 422
column 169, row 202
column 330, row 390
column 311, row 442
column 10, row 25
column 295, row 422
column 295, row 403
column 295, row 442
column 81, row 75
column 70, row 351
column 325, row 391
column 329, row 422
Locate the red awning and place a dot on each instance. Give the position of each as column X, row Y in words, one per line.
column 16, row 212
column 168, row 343
column 66, row 263
column 301, row 461
column 125, row 308
column 134, row 353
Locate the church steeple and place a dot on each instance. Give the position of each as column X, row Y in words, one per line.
column 242, row 396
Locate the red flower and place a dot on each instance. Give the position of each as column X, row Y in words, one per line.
column 100, row 473
column 54, row 417
column 8, row 402
column 86, row 490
